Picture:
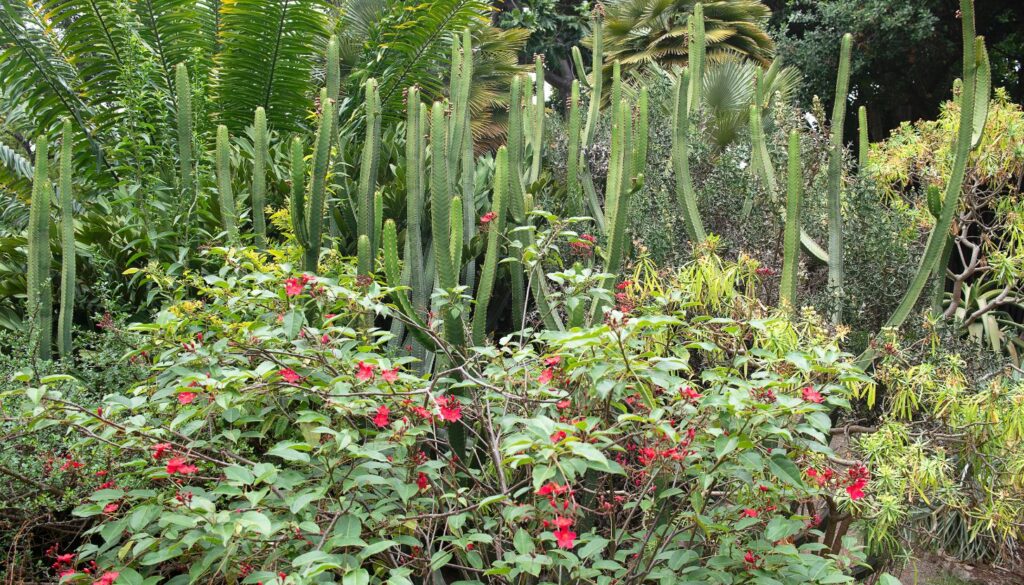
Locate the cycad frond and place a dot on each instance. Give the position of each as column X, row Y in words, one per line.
column 177, row 31
column 267, row 51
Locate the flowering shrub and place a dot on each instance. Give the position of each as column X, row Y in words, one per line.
column 279, row 441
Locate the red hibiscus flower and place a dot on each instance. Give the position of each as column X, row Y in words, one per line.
column 422, row 482
column 451, row 408
column 552, row 489
column 107, row 578
column 292, row 287
column 856, row 489
column 159, row 449
column 111, row 508
column 186, row 397
column 289, row 375
column 564, row 537
column 381, row 419
column 557, row 436
column 546, row 376
column 178, row 465
column 812, row 395
column 364, row 373
column 390, row 376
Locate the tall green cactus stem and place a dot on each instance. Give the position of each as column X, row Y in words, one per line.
column 685, row 192
column 226, row 198
column 440, row 220
column 762, row 167
column 392, row 274
column 516, row 196
column 332, row 69
column 695, row 57
column 489, row 272
column 259, row 177
column 641, row 132
column 67, row 246
column 574, row 204
column 314, row 212
column 455, row 243
column 973, row 61
column 791, row 240
column 369, row 164
column 364, row 257
column 467, row 176
column 183, row 97
column 415, row 171
column 537, row 118
column 459, row 118
column 982, row 90
column 40, row 293
column 297, row 201
column 836, row 270
column 593, row 116
column 863, row 145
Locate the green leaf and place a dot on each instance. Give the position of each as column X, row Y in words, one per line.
column 784, row 469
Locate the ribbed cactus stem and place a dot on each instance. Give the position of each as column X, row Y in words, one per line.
column 695, row 57
column 973, row 61
column 596, row 68
column 613, row 183
column 369, row 163
column 67, row 246
column 40, row 294
column 392, row 274
column 456, row 240
column 489, row 271
column 440, row 220
column 259, row 177
column 574, row 204
column 414, row 174
column 226, row 198
column 537, row 129
column 297, row 201
column 468, row 158
column 836, row 271
column 791, row 240
column 364, row 256
column 183, row 97
column 314, row 213
column 641, row 132
column 332, row 69
column 863, row 145
column 685, row 192
column 516, row 196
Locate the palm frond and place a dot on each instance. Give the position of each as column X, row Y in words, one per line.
column 178, row 31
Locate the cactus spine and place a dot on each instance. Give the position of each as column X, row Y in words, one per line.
column 259, row 177
column 836, row 271
column 974, row 61
column 183, row 95
column 791, row 240
column 490, row 267
column 863, row 145
column 226, row 199
column 368, row 168
column 695, row 57
column 681, row 161
column 40, row 294
column 313, row 215
column 574, row 204
column 67, row 246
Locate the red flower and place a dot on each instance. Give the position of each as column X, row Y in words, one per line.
column 365, row 372
column 749, row 513
column 557, row 436
column 292, row 287
column 381, row 420
column 812, row 395
column 66, row 573
column 451, row 409
column 690, row 394
column 488, row 217
column 110, row 508
column 856, row 489
column 389, row 375
column 422, row 412
column 564, row 537
column 546, row 375
column 624, row 285
column 553, row 360
column 178, row 465
column 186, row 397
column 289, row 375
column 422, row 482
column 159, row 449
column 563, row 404
column 750, row 558
column 65, row 559
column 552, row 489
column 107, row 578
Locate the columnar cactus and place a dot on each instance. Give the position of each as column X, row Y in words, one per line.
column 259, row 177
column 313, row 214
column 368, row 167
column 40, row 293
column 440, row 220
column 863, row 145
column 791, row 240
column 415, row 172
column 836, row 271
column 297, row 199
column 695, row 57
column 681, row 161
column 67, row 246
column 537, row 118
column 490, row 268
column 183, row 96
column 574, row 203
column 226, row 199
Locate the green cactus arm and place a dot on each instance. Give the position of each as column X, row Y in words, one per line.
column 183, row 97
column 364, row 257
column 695, row 57
column 863, row 145
column 455, row 241
column 836, row 271
column 596, row 68
column 226, row 198
column 488, row 272
column 415, row 171
column 581, row 71
column 332, row 68
column 393, row 275
column 614, row 180
column 616, row 245
column 965, row 135
column 537, row 129
column 369, row 162
column 791, row 240
column 317, row 195
column 681, row 162
column 259, row 177
column 516, row 196
column 40, row 295
column 297, row 201
column 982, row 90
column 574, row 192
column 378, row 220
column 759, row 98
column 469, row 201
column 641, row 133
column 440, row 199
column 67, row 249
